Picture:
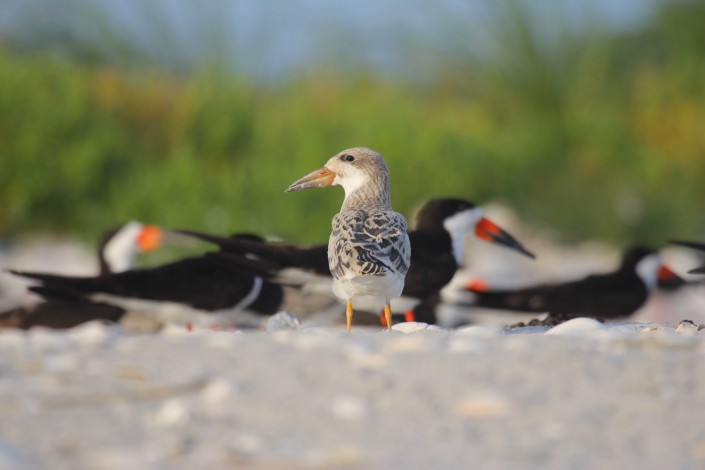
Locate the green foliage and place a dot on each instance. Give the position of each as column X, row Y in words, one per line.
column 596, row 138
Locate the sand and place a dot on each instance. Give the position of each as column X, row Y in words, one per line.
column 585, row 395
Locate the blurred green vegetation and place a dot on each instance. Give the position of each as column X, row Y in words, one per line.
column 598, row 135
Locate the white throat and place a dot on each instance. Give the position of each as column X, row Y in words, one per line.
column 459, row 226
column 353, row 180
column 120, row 251
column 647, row 269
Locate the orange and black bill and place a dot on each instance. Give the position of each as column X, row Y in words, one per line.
column 477, row 284
column 667, row 279
column 150, row 238
column 316, row 179
column 491, row 232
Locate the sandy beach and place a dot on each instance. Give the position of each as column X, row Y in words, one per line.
column 585, row 395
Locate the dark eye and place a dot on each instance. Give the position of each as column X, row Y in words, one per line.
column 348, row 158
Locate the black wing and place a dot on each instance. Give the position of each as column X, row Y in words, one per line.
column 602, row 296
column 432, row 264
column 197, row 282
column 312, row 258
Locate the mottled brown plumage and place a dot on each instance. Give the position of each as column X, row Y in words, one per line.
column 369, row 250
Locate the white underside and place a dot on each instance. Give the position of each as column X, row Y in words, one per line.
column 316, row 284
column 325, row 285
column 383, row 288
column 375, row 304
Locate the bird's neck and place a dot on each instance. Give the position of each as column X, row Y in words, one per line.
column 369, row 195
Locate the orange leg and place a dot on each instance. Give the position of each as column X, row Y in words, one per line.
column 388, row 316
column 348, row 315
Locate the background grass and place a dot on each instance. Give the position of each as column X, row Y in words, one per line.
column 597, row 134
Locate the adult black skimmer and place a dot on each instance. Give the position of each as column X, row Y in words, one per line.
column 178, row 292
column 369, row 250
column 606, row 296
column 117, row 250
column 436, row 253
column 118, row 247
column 695, row 245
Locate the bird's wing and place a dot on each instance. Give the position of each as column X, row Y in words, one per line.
column 310, row 258
column 597, row 295
column 368, row 242
column 197, row 282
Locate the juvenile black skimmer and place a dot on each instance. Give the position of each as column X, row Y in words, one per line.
column 369, row 250
column 606, row 296
column 696, row 246
column 436, row 252
column 178, row 292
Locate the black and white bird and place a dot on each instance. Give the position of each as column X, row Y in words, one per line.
column 118, row 247
column 117, row 251
column 437, row 242
column 369, row 250
column 606, row 296
column 193, row 291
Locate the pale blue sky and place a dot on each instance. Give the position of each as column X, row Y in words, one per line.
column 270, row 38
